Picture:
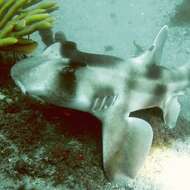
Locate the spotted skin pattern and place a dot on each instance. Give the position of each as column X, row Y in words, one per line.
column 109, row 88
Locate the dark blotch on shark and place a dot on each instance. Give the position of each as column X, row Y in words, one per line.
column 153, row 72
column 160, row 90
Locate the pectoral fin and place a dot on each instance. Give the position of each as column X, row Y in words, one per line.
column 126, row 143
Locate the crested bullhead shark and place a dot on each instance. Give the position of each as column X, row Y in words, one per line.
column 110, row 88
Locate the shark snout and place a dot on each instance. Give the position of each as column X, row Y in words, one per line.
column 27, row 93
column 16, row 76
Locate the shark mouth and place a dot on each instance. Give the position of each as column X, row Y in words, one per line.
column 21, row 86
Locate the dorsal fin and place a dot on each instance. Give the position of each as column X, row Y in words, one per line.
column 62, row 48
column 60, row 37
column 46, row 36
column 154, row 54
column 69, row 50
column 159, row 42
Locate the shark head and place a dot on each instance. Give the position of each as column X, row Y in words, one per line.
column 42, row 76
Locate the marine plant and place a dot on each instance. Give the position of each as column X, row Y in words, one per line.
column 18, row 20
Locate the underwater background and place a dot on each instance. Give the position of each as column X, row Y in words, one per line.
column 45, row 147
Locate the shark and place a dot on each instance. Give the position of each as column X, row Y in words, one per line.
column 110, row 88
